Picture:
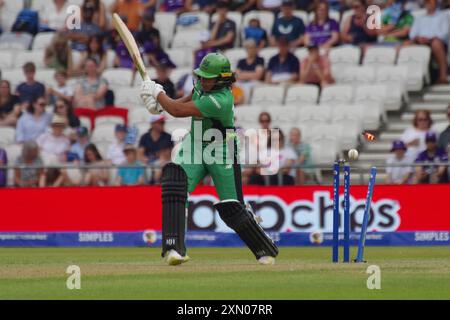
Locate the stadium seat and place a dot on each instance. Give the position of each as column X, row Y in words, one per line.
column 119, row 77
column 372, row 114
column 186, row 39
column 14, row 76
column 349, row 119
column 85, row 122
column 337, row 94
column 101, row 120
column 396, row 79
column 266, row 19
column 37, row 57
column 13, row 151
column 46, row 76
column 42, row 40
column 234, row 55
column 324, row 150
column 102, row 147
column 15, row 41
column 181, row 57
column 7, row 136
column 343, row 57
column 412, row 57
column 177, row 73
column 314, row 115
column 358, row 75
column 284, row 117
column 301, row 53
column 138, row 115
column 201, row 24
column 104, row 133
column 142, row 127
column 110, row 56
column 371, row 94
column 268, row 53
column 380, row 56
column 165, row 22
column 268, row 95
column 6, row 59
column 298, row 95
column 127, row 97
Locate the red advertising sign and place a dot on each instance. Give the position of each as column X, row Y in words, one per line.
column 309, row 208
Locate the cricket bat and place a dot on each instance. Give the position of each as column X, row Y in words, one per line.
column 131, row 45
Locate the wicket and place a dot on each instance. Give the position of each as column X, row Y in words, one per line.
column 346, row 220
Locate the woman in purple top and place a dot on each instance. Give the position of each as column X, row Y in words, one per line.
column 323, row 31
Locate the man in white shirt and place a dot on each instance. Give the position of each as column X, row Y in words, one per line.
column 115, row 152
column 54, row 144
column 399, row 175
column 432, row 30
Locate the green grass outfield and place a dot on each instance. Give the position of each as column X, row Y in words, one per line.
column 222, row 273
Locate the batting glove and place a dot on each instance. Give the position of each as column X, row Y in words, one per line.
column 150, row 88
column 152, row 105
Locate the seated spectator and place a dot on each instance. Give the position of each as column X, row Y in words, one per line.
column 283, row 67
column 69, row 177
column 94, row 50
column 163, row 70
column 99, row 17
column 123, row 58
column 130, row 11
column 30, row 89
column 242, row 6
column 223, row 31
column 257, row 148
column 177, row 6
column 29, row 177
column 88, row 28
column 115, row 152
column 303, row 153
column 54, row 144
column 396, row 173
column 55, row 16
column 322, row 31
column 9, row 105
column 3, row 162
column 133, row 172
column 255, row 32
column 355, row 30
column 432, row 30
column 414, row 137
column 33, row 122
column 62, row 90
column 444, row 137
column 432, row 154
column 81, row 143
column 164, row 156
column 397, row 23
column 64, row 109
column 270, row 5
column 250, row 68
column 91, row 89
column 58, row 54
column 96, row 176
column 148, row 35
column 154, row 140
column 288, row 26
column 315, row 68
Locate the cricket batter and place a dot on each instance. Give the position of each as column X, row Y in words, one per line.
column 211, row 107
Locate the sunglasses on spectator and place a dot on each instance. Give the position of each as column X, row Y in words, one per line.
column 42, row 104
column 264, row 120
column 422, row 119
column 60, row 106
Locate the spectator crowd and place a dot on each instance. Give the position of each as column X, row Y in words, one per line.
column 47, row 119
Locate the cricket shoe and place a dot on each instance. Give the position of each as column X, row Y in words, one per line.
column 173, row 258
column 266, row 260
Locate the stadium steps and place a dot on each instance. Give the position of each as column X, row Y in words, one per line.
column 437, row 97
column 440, row 88
column 432, row 106
column 436, row 116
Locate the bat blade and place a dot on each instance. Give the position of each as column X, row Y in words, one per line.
column 131, row 45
